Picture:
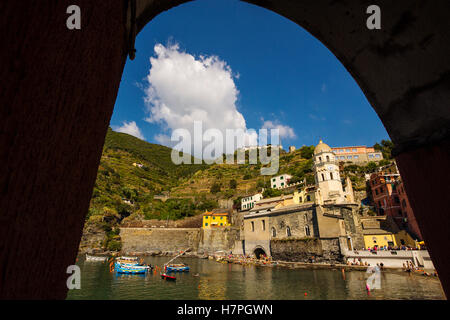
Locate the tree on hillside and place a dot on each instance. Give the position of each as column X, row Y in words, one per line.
column 307, row 152
column 385, row 147
column 269, row 193
column 233, row 184
column 215, row 187
column 370, row 167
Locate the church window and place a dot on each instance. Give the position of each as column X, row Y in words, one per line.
column 288, row 231
column 323, row 177
column 308, row 198
column 331, row 175
column 320, row 159
column 253, row 226
column 354, row 150
column 274, row 232
column 307, row 231
column 328, row 158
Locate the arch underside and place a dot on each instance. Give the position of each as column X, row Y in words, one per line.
column 56, row 110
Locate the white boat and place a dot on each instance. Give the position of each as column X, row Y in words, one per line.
column 95, row 258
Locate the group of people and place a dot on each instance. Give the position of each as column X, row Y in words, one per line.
column 360, row 263
column 377, row 248
column 408, row 266
column 357, row 262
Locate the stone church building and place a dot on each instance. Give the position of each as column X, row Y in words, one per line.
column 321, row 227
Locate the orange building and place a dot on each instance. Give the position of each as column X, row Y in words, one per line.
column 411, row 221
column 357, row 154
column 385, row 197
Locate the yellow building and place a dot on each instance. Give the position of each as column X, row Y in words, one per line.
column 306, row 194
column 217, row 218
column 381, row 231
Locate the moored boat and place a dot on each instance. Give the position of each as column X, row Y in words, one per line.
column 95, row 258
column 123, row 269
column 129, row 261
column 167, row 277
column 181, row 267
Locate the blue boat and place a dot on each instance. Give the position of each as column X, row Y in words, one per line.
column 177, row 268
column 131, row 269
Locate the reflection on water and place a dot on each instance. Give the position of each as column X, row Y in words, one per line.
column 230, row 281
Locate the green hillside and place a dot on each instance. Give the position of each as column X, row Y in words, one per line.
column 132, row 172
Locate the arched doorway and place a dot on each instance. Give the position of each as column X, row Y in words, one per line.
column 62, row 85
column 259, row 253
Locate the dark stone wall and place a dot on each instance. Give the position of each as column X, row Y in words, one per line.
column 303, row 250
column 426, row 181
column 59, row 88
column 56, row 99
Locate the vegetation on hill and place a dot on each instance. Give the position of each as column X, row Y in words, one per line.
column 385, row 147
column 132, row 172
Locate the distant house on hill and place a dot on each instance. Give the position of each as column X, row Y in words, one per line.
column 139, row 165
column 281, row 181
column 248, row 202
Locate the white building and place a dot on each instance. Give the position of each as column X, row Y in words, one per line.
column 248, row 202
column 280, row 182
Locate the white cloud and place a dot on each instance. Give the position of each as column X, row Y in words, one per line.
column 284, row 130
column 130, row 128
column 183, row 88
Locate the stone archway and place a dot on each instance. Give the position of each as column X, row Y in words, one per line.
column 259, row 252
column 60, row 87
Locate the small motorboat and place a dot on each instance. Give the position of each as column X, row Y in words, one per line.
column 167, row 277
column 95, row 258
column 181, row 267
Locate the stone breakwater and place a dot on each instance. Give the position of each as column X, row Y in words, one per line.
column 152, row 241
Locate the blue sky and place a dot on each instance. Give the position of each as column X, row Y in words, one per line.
column 276, row 75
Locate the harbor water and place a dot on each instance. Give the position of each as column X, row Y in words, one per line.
column 209, row 279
